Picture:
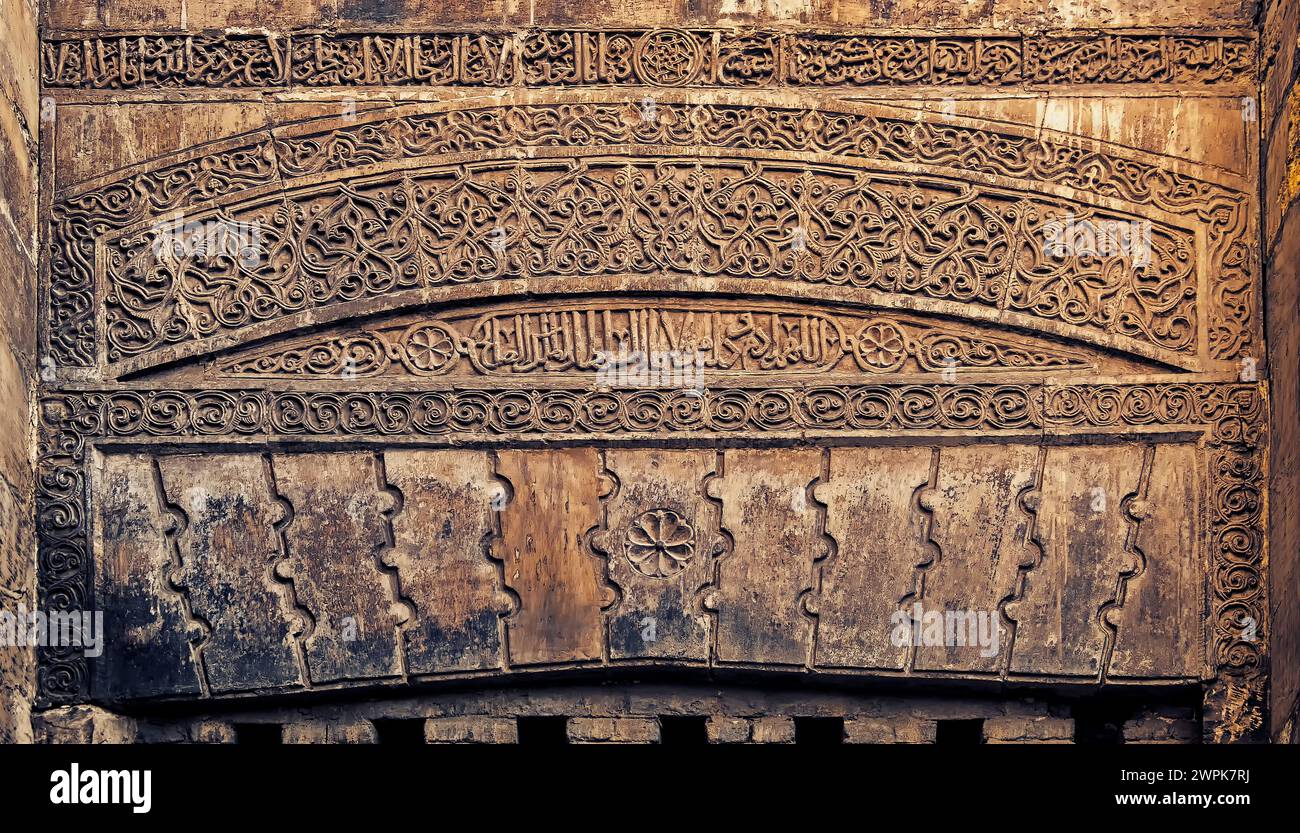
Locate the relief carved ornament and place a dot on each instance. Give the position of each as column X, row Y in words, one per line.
column 668, row 57
column 96, row 236
column 835, row 226
column 1230, row 415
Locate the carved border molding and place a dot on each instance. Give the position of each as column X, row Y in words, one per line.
column 1230, row 415
column 85, row 215
column 669, row 57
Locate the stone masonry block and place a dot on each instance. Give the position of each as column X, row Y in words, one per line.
column 613, row 730
column 471, row 729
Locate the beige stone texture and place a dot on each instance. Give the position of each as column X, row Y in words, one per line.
column 82, row 725
column 723, row 729
column 625, row 712
column 289, row 14
column 471, row 729
column 1161, row 726
column 1281, row 186
column 18, row 165
column 613, row 730
column 1028, row 730
column 337, row 731
column 889, row 730
column 772, row 729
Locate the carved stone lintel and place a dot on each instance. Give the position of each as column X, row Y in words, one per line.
column 1229, row 414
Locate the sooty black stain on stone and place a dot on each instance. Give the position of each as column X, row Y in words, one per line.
column 476, row 645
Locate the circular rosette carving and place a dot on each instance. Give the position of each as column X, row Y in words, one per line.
column 429, row 349
column 668, row 57
column 880, row 346
column 660, row 543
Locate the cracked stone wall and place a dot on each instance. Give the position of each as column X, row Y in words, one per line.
column 19, row 111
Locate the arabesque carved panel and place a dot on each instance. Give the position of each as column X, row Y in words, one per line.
column 673, row 216
column 948, row 240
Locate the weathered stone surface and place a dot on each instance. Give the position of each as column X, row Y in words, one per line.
column 723, row 729
column 878, row 533
column 149, row 634
column 19, row 80
column 1084, row 533
column 1155, row 621
column 213, row 731
column 442, row 553
column 548, row 562
column 1153, row 726
column 661, row 538
column 334, row 541
column 732, row 714
column 83, row 724
column 772, row 729
column 329, row 731
column 227, row 544
column 613, row 730
column 889, row 730
column 475, row 729
column 980, row 533
column 775, row 539
column 1284, row 511
column 283, row 14
column 1028, row 730
column 1281, row 164
column 391, row 445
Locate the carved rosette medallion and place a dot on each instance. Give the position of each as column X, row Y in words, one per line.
column 668, row 57
column 660, row 543
column 880, row 346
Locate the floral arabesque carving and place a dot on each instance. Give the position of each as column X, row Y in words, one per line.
column 80, row 219
column 660, row 543
column 752, row 220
